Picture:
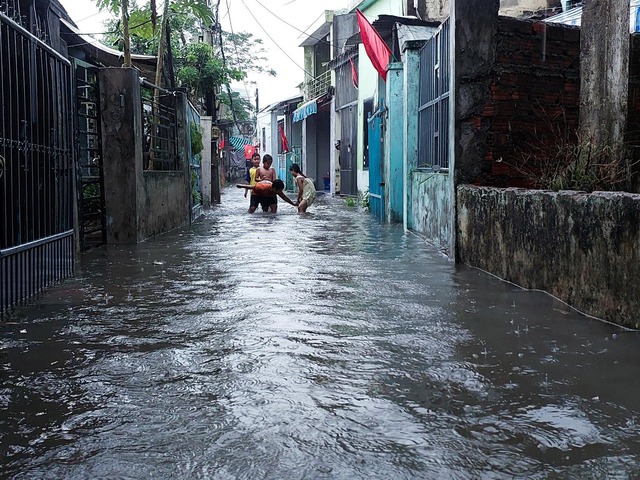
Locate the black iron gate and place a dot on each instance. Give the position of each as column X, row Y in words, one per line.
column 91, row 211
column 36, row 164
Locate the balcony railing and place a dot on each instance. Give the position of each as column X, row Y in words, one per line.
column 318, row 86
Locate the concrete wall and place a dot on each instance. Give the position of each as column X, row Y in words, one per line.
column 165, row 206
column 522, row 97
column 205, row 123
column 431, row 212
column 582, row 248
column 369, row 82
column 139, row 204
column 604, row 81
column 393, row 156
column 122, row 153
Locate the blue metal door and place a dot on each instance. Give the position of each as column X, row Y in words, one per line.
column 376, row 185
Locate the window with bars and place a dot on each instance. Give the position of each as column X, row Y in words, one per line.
column 433, row 112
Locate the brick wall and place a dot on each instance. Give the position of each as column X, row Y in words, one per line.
column 633, row 120
column 534, row 96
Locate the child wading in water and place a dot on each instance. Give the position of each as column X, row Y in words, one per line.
column 306, row 188
column 265, row 193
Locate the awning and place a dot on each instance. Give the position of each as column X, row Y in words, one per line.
column 305, row 110
column 239, row 142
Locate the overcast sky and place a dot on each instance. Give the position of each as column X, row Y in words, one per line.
column 277, row 22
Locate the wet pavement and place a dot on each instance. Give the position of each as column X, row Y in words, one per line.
column 325, row 346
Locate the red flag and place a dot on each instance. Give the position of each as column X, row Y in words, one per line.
column 283, row 138
column 376, row 49
column 248, row 151
column 354, row 73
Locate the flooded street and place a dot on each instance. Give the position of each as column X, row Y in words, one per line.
column 319, row 347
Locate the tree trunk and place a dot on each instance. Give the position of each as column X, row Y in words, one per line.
column 125, row 33
column 156, row 92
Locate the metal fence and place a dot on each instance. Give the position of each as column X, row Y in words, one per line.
column 318, row 86
column 91, row 204
column 36, row 160
column 160, row 128
column 433, row 113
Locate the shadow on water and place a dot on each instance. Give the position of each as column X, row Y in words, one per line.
column 321, row 346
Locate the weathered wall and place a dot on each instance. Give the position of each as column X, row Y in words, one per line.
column 138, row 204
column 527, row 99
column 604, row 83
column 476, row 26
column 166, row 206
column 633, row 119
column 431, row 211
column 122, row 152
column 205, row 123
column 393, row 144
column 582, row 248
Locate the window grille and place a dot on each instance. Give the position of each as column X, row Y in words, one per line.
column 433, row 112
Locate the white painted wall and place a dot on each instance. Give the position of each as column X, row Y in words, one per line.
column 264, row 122
column 368, row 81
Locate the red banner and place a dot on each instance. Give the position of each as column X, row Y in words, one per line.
column 374, row 45
column 354, row 73
column 283, row 138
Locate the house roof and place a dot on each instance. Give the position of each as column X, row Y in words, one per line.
column 283, row 105
column 318, row 36
column 384, row 26
column 106, row 55
column 574, row 17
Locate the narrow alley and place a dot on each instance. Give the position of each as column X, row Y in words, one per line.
column 326, row 346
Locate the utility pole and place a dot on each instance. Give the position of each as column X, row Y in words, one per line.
column 257, row 109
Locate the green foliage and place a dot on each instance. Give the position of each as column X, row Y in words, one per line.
column 242, row 107
column 201, row 71
column 198, row 67
column 143, row 38
column 112, row 5
column 195, row 132
column 350, row 202
column 196, row 196
column 365, row 200
column 245, row 53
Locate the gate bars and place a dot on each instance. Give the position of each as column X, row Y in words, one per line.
column 36, row 165
column 433, row 113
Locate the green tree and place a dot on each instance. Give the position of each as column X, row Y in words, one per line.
column 200, row 70
column 240, row 108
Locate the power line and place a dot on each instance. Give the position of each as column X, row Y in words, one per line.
column 224, row 62
column 274, row 42
column 293, row 26
column 246, row 89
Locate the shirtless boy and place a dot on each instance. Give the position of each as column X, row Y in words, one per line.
column 266, row 172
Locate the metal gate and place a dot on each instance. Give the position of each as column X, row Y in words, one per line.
column 376, row 165
column 36, row 164
column 91, row 210
column 433, row 112
column 348, row 148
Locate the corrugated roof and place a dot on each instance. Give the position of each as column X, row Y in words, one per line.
column 320, row 35
column 574, row 17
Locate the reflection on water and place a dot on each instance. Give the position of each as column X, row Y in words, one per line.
column 325, row 346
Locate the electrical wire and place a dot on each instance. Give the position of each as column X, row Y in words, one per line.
column 293, row 26
column 218, row 27
column 274, row 42
column 246, row 89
